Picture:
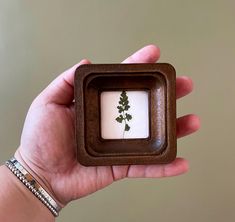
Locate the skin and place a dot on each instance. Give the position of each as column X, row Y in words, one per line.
column 47, row 147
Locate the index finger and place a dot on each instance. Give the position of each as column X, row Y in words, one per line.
column 147, row 54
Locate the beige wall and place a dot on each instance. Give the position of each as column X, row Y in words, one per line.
column 39, row 39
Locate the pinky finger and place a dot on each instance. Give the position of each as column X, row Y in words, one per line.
column 187, row 124
column 177, row 167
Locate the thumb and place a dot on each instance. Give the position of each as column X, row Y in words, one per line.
column 61, row 90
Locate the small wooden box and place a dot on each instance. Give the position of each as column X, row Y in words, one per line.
column 143, row 141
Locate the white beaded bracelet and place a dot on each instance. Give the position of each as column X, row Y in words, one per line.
column 32, row 184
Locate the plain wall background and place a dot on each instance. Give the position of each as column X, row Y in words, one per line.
column 40, row 39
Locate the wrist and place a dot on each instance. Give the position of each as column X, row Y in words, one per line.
column 40, row 175
column 15, row 196
column 33, row 185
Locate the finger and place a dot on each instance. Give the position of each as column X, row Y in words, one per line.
column 184, row 85
column 147, row 54
column 187, row 124
column 60, row 91
column 177, row 167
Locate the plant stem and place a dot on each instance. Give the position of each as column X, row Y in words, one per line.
column 124, row 125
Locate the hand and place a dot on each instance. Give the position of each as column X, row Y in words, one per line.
column 48, row 141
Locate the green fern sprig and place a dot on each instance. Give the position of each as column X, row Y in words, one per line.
column 122, row 108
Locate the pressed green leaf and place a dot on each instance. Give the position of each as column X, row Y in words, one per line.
column 125, row 102
column 127, row 127
column 126, row 107
column 128, row 116
column 123, row 94
column 119, row 119
column 123, row 106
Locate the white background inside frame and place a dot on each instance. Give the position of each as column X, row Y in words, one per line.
column 139, row 110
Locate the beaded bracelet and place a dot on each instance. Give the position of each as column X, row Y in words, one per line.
column 32, row 184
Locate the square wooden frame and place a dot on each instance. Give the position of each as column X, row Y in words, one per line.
column 159, row 80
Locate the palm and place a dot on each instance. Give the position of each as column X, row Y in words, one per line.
column 56, row 148
column 48, row 141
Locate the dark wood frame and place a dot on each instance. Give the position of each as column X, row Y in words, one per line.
column 159, row 80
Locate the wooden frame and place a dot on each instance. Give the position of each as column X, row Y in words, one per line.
column 159, row 80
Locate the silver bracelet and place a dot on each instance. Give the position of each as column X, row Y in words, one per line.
column 32, row 184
